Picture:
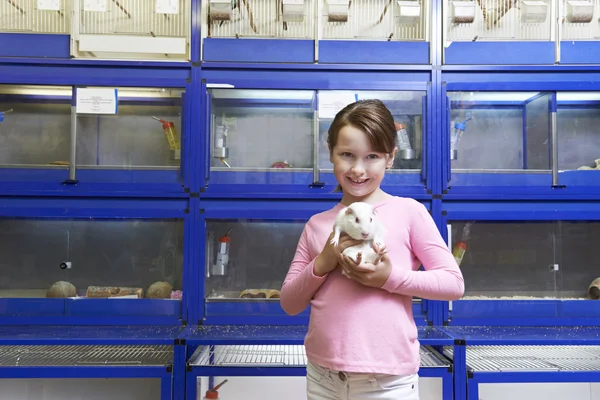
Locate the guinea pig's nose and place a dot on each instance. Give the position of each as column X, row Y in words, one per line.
column 365, row 235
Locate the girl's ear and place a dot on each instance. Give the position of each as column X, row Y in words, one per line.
column 330, row 153
column 391, row 157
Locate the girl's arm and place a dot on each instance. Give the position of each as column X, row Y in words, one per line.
column 301, row 283
column 442, row 278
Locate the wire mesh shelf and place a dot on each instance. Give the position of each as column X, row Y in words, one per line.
column 531, row 358
column 278, row 356
column 75, row 355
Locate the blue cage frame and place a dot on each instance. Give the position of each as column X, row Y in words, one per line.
column 259, row 312
column 541, row 312
column 346, row 68
column 220, row 335
column 413, row 185
column 172, row 376
column 32, row 311
column 104, row 182
column 571, row 185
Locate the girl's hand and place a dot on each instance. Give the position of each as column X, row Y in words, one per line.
column 369, row 274
column 328, row 260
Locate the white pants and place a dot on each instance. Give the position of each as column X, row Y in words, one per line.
column 326, row 384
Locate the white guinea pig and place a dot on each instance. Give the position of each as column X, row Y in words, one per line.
column 360, row 222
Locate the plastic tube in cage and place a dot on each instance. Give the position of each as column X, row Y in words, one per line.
column 409, row 12
column 220, row 10
column 293, row 10
column 406, row 150
column 337, row 10
column 457, row 132
column 462, row 12
column 172, row 138
column 2, row 114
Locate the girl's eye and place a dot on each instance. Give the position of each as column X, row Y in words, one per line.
column 346, row 155
column 373, row 156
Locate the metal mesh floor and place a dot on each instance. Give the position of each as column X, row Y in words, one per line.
column 531, row 358
column 278, row 356
column 54, row 356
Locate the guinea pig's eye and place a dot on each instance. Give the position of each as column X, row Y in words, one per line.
column 357, row 220
column 370, row 219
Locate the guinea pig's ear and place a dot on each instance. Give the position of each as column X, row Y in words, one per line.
column 348, row 211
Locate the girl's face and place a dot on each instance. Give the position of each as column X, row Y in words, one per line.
column 357, row 167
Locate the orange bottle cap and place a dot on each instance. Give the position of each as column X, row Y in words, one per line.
column 225, row 239
column 210, row 394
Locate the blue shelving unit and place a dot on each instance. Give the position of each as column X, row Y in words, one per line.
column 522, row 172
column 204, row 356
column 102, row 178
column 535, row 354
column 237, row 92
column 68, row 218
column 101, row 352
column 271, row 216
column 559, row 223
column 531, row 158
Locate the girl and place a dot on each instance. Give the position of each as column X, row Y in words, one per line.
column 362, row 339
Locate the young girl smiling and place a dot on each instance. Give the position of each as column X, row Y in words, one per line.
column 362, row 339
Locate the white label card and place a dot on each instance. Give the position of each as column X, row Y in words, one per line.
column 95, row 5
column 48, row 5
column 97, row 101
column 167, row 6
column 333, row 101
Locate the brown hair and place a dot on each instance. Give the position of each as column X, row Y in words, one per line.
column 370, row 116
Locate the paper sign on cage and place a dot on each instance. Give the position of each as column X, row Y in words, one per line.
column 95, row 5
column 167, row 6
column 97, row 101
column 48, row 5
column 333, row 101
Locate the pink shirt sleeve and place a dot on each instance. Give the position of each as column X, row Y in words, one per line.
column 300, row 284
column 442, row 278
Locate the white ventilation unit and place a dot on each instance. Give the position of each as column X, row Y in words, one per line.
column 140, row 29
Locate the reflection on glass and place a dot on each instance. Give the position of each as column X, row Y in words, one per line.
column 526, row 260
column 91, row 258
column 259, row 130
column 145, row 132
column 407, row 109
column 36, row 128
column 255, row 261
column 578, row 117
column 499, row 131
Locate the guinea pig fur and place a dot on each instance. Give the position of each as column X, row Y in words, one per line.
column 360, row 222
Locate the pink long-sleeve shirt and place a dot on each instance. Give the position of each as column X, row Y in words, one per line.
column 355, row 328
